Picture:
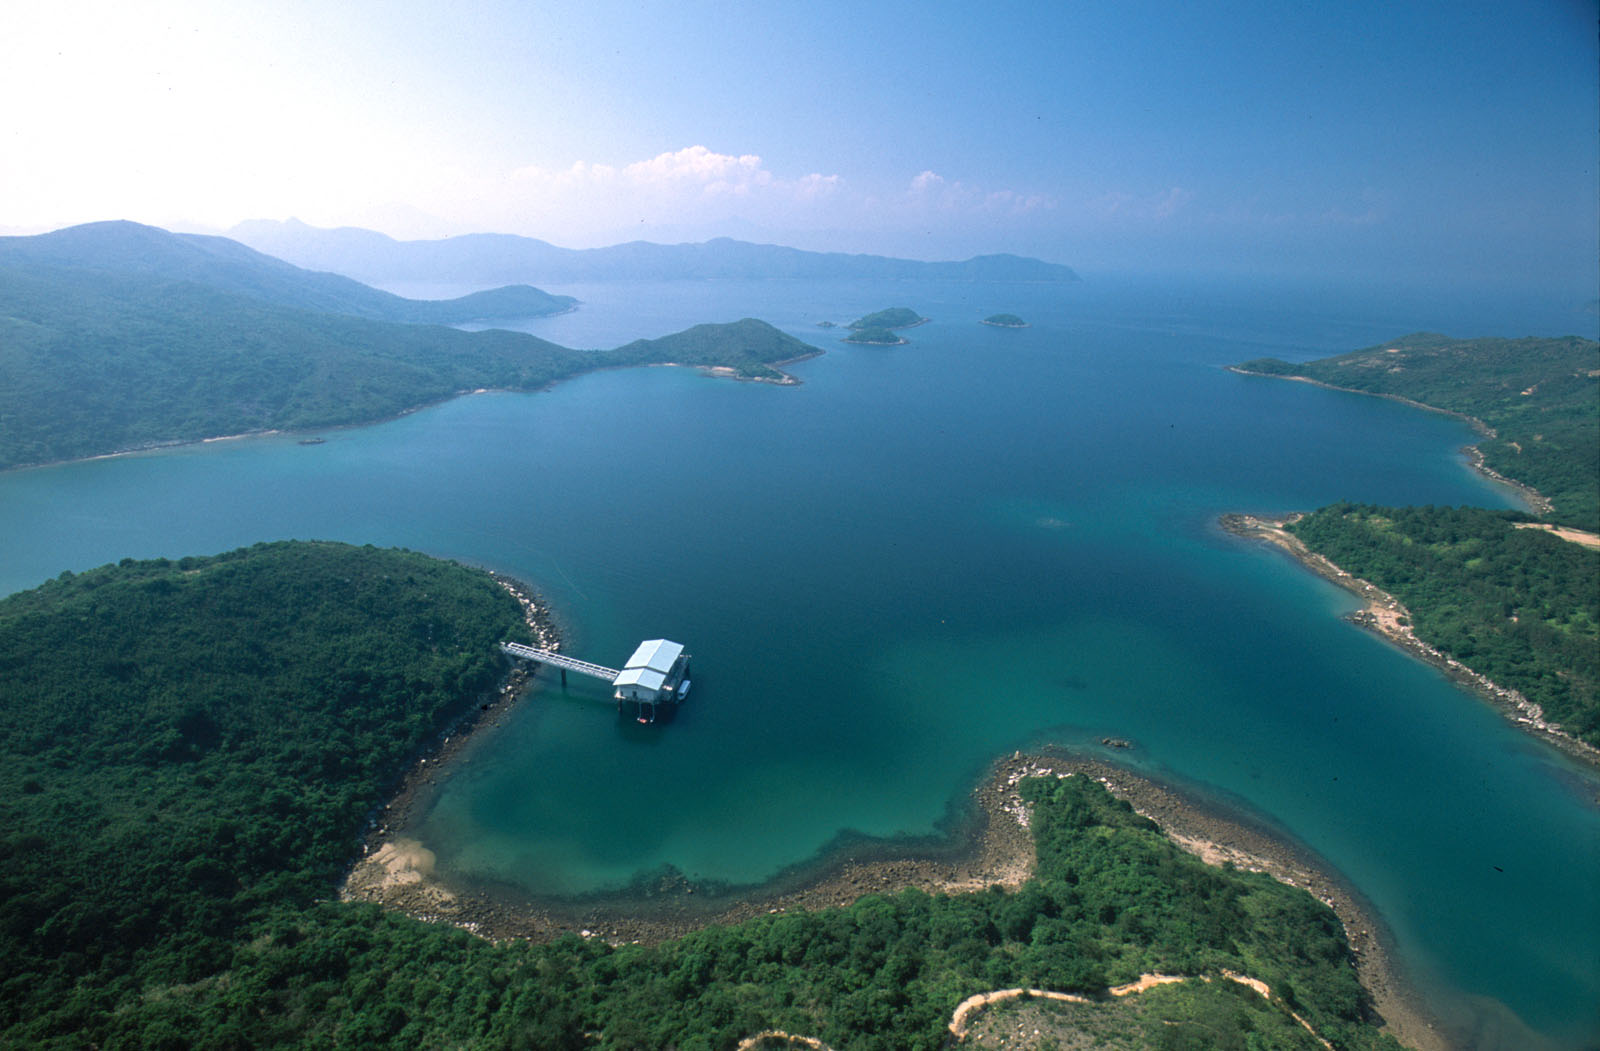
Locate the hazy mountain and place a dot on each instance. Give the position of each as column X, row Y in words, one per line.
column 490, row 259
column 133, row 346
column 216, row 262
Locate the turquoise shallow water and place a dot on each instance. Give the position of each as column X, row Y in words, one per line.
column 924, row 557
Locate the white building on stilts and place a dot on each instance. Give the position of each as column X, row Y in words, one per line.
column 656, row 674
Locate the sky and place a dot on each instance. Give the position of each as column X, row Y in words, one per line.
column 1393, row 138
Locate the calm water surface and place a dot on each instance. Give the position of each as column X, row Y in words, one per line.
column 922, row 558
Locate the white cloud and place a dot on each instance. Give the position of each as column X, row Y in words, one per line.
column 693, row 186
column 930, row 190
column 698, row 164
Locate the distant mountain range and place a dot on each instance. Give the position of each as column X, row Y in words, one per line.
column 116, row 336
column 493, row 259
column 131, row 249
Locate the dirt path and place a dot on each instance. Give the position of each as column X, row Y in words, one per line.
column 1576, row 536
column 961, row 1020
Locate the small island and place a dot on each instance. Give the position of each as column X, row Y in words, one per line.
column 894, row 317
column 876, row 337
column 1005, row 321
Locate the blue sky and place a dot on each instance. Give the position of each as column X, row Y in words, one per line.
column 1422, row 140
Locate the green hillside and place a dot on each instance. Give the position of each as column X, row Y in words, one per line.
column 190, row 749
column 875, row 336
column 132, row 249
column 95, row 362
column 894, row 317
column 1541, row 396
column 1520, row 606
column 749, row 347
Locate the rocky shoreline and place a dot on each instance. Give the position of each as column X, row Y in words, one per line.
column 1386, row 617
column 993, row 846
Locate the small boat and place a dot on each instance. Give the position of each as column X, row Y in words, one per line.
column 683, row 689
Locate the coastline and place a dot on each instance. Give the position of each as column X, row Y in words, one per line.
column 901, row 342
column 784, row 379
column 728, row 372
column 992, row 846
column 1537, row 502
column 1385, row 617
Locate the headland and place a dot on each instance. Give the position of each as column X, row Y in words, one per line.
column 988, row 844
column 1387, row 618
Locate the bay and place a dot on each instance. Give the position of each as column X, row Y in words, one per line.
column 925, row 557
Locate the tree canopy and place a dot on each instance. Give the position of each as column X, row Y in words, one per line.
column 1520, row 606
column 190, row 748
column 894, row 317
column 94, row 362
column 1540, row 396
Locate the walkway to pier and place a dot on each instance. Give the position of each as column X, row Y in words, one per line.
column 560, row 660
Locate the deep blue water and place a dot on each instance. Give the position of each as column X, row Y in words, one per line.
column 927, row 556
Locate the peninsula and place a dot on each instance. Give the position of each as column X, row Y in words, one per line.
column 1536, row 401
column 1510, row 609
column 173, row 853
column 121, row 337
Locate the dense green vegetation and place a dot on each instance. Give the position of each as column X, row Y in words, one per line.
column 1541, row 397
column 750, row 347
column 1195, row 1015
column 95, row 362
column 1005, row 321
column 1520, row 606
column 190, row 747
column 875, row 336
column 131, row 249
column 894, row 317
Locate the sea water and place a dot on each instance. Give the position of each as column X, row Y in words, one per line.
column 922, row 558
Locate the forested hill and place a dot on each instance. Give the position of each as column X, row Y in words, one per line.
column 499, row 258
column 97, row 361
column 125, row 248
column 759, row 348
column 191, row 746
column 1540, row 395
column 188, row 751
column 1520, row 606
